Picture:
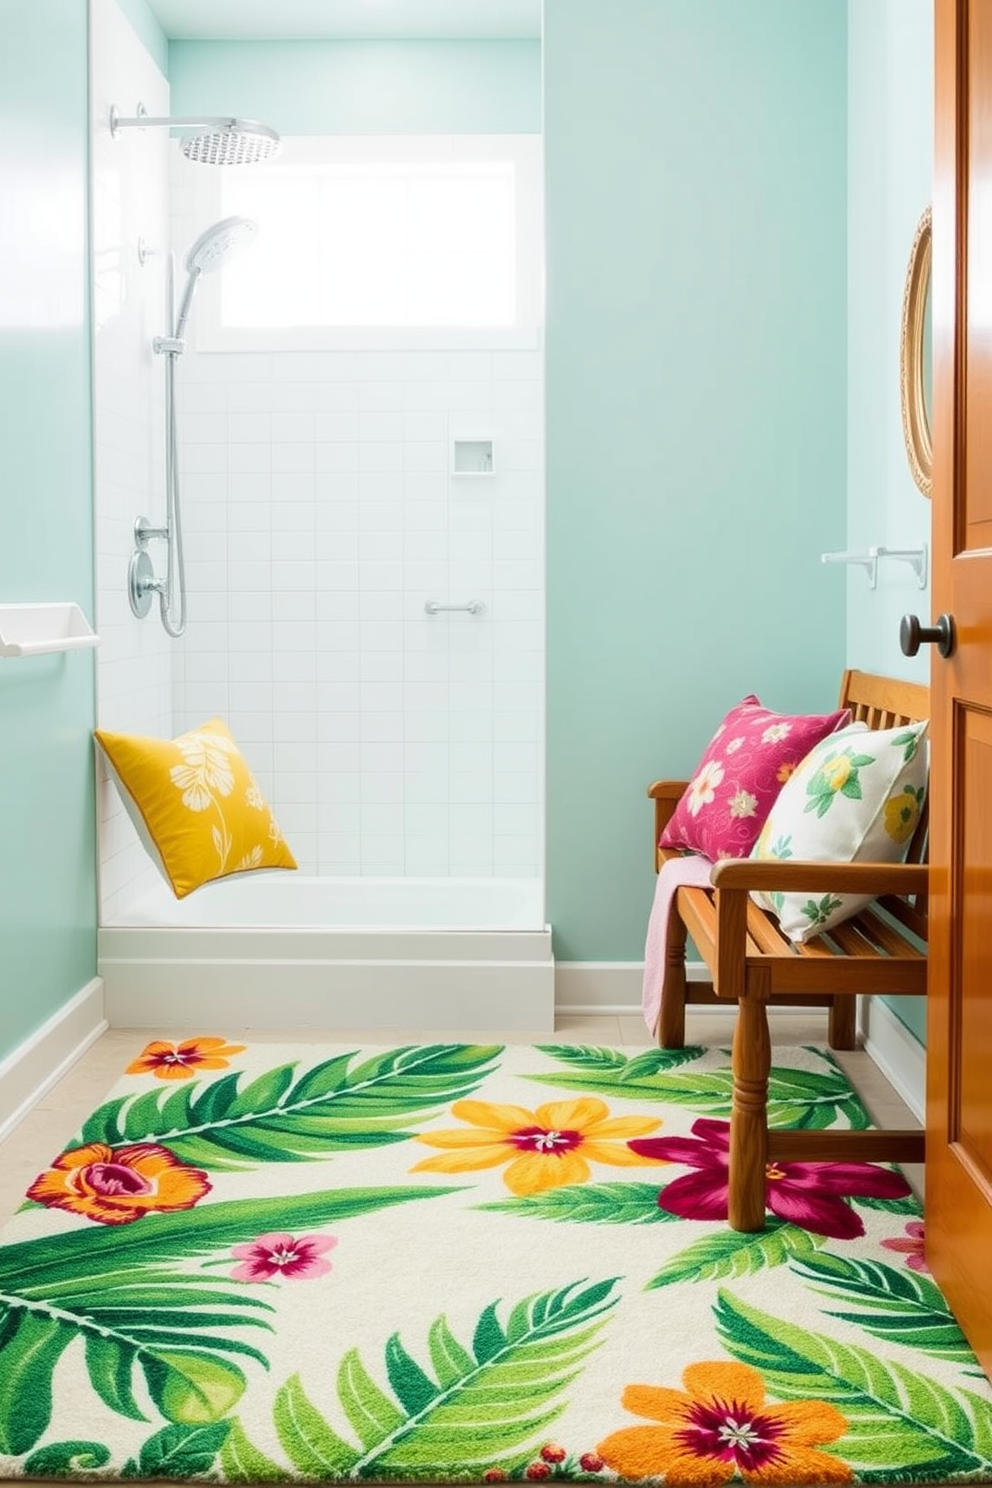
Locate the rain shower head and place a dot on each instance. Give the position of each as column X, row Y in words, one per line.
column 213, row 140
column 207, row 253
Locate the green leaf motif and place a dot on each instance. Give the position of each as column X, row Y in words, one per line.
column 589, row 1203
column 32, row 1346
column 67, row 1459
column 475, row 1407
column 899, row 1420
column 811, row 1099
column 178, row 1452
column 219, row 1125
column 909, row 743
column 908, row 1205
column 819, row 911
column 896, row 1304
column 115, row 1291
column 733, row 1253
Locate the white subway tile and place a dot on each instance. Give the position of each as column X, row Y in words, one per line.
column 206, row 459
column 250, row 459
column 336, row 457
column 381, row 666
column 248, row 487
column 292, row 458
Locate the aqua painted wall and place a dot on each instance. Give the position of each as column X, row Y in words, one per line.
column 363, row 87
column 47, row 828
column 696, row 167
column 154, row 39
column 890, row 154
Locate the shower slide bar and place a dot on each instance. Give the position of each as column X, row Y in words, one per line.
column 473, row 606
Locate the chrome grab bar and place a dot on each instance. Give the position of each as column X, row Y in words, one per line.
column 473, row 606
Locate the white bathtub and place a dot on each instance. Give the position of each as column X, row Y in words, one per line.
column 284, row 951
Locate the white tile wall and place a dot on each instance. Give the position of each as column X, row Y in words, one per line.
column 320, row 514
column 130, row 202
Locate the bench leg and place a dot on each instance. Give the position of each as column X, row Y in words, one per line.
column 842, row 1023
column 752, row 1058
column 671, row 1020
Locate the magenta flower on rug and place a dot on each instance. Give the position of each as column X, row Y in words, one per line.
column 282, row 1255
column 809, row 1194
column 911, row 1246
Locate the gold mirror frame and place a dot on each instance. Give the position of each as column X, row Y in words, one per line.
column 915, row 417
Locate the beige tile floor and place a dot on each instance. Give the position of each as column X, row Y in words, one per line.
column 53, row 1123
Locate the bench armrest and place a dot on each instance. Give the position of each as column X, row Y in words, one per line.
column 666, row 795
column 789, row 874
column 735, row 878
column 667, row 790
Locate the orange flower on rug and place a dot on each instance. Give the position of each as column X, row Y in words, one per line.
column 117, row 1185
column 181, row 1061
column 721, row 1427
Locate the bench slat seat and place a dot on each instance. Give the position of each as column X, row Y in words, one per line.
column 881, row 951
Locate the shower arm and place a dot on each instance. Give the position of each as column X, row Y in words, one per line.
column 142, row 119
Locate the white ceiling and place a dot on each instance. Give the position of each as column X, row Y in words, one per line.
column 287, row 20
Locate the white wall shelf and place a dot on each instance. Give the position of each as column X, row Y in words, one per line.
column 472, row 457
column 33, row 629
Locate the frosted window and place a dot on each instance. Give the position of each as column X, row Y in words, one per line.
column 402, row 243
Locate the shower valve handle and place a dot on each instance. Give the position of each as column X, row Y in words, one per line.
column 144, row 531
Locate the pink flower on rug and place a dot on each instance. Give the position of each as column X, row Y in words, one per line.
column 809, row 1194
column 911, row 1246
column 282, row 1255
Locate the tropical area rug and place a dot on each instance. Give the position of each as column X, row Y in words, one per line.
column 452, row 1263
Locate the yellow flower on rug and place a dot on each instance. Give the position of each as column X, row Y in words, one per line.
column 722, row 1427
column 546, row 1148
column 182, row 1061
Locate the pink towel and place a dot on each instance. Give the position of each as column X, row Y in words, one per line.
column 688, row 872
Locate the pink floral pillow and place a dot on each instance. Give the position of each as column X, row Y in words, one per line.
column 746, row 763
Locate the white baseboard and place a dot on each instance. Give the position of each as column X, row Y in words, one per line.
column 899, row 1055
column 606, row 986
column 41, row 1060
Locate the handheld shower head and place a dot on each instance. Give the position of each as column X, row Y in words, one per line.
column 207, row 253
column 214, row 140
column 226, row 236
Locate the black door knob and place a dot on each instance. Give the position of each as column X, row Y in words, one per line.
column 912, row 635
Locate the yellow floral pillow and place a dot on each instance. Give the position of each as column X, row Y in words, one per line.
column 856, row 797
column 195, row 804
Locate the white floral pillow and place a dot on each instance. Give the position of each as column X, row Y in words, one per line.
column 856, row 797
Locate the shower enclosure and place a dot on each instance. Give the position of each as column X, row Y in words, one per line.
column 333, row 543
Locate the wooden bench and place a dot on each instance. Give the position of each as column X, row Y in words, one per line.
column 750, row 962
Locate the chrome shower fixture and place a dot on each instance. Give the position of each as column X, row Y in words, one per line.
column 205, row 256
column 213, row 140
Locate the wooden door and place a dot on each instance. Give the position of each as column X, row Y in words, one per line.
column 959, row 1033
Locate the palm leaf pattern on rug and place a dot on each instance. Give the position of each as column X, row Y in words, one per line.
column 899, row 1306
column 333, row 1107
column 125, row 1295
column 174, row 1452
column 131, row 1350
column 809, row 1100
column 482, row 1410
column 896, row 1415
